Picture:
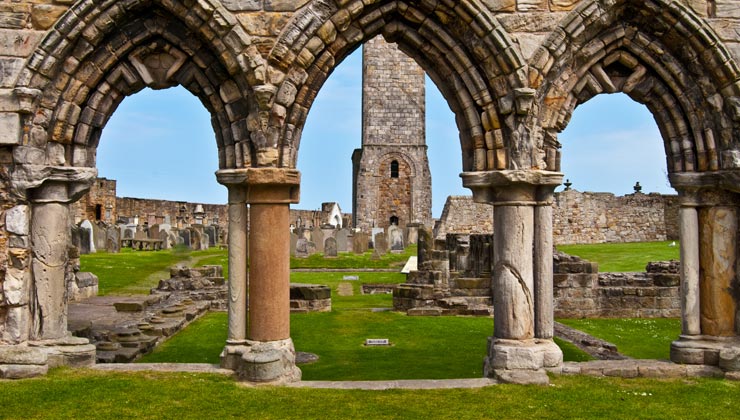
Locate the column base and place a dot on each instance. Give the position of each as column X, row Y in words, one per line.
column 264, row 362
column 521, row 361
column 34, row 358
column 707, row 350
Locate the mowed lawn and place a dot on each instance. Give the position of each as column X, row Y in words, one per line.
column 85, row 394
column 624, row 257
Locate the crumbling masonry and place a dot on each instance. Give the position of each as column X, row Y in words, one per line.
column 512, row 71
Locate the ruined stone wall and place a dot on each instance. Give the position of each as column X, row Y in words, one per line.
column 98, row 204
column 587, row 217
column 579, row 217
column 580, row 291
column 160, row 211
column 393, row 130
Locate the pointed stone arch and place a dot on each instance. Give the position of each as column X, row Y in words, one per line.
column 660, row 54
column 99, row 53
column 463, row 48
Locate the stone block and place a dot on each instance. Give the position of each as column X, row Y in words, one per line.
column 729, row 359
column 532, row 5
column 563, row 5
column 9, row 70
column 22, row 355
column 501, row 5
column 10, row 128
column 22, row 371
column 522, row 377
column 43, row 16
column 425, row 312
column 17, row 220
column 727, row 9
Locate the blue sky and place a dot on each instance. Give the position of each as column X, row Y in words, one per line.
column 160, row 144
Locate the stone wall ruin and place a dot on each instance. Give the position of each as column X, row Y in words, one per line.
column 511, row 71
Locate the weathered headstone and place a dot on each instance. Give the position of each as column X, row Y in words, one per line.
column 412, row 233
column 374, row 232
column 164, row 236
column 395, row 238
column 128, row 233
column 330, row 247
column 426, row 242
column 381, row 244
column 140, row 234
column 87, row 241
column 317, row 236
column 301, row 248
column 154, row 231
column 99, row 236
column 212, row 232
column 113, row 240
column 293, row 242
column 359, row 243
column 185, row 237
column 343, row 240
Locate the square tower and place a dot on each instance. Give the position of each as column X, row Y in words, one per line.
column 391, row 179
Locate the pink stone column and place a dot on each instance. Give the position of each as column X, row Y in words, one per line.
column 718, row 259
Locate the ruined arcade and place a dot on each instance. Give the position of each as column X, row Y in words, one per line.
column 512, row 71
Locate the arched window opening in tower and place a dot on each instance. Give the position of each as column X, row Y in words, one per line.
column 394, row 169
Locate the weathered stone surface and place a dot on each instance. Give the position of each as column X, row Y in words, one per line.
column 10, row 126
column 22, row 355
column 727, row 9
column 718, row 253
column 43, row 16
column 17, row 220
column 729, row 359
column 22, row 371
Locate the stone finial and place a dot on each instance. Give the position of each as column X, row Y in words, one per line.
column 567, row 185
column 638, row 188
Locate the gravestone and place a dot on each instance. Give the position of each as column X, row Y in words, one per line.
column 343, row 236
column 154, row 232
column 164, row 236
column 128, row 233
column 113, row 239
column 75, row 236
column 395, row 238
column 328, row 231
column 165, row 227
column 212, row 232
column 359, row 243
column 184, row 238
column 100, row 238
column 373, row 233
column 293, row 242
column 317, row 237
column 301, row 248
column 330, row 247
column 196, row 239
column 381, row 244
column 426, row 243
column 140, row 234
column 412, row 233
column 87, row 240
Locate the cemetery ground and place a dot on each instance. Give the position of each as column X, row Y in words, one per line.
column 423, row 347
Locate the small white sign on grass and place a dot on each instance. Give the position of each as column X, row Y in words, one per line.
column 377, row 342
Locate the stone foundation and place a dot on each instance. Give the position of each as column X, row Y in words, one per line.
column 270, row 362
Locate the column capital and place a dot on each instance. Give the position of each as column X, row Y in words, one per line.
column 52, row 184
column 264, row 185
column 512, row 187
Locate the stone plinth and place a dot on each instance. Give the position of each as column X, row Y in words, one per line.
column 705, row 350
column 507, row 356
column 270, row 362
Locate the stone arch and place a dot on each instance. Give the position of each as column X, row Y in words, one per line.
column 463, row 48
column 97, row 54
column 660, row 54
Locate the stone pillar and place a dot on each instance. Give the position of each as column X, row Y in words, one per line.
column 718, row 258
column 689, row 236
column 238, row 278
column 267, row 354
column 521, row 346
column 42, row 308
column 709, row 288
column 544, row 321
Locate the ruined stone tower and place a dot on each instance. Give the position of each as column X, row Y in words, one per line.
column 391, row 179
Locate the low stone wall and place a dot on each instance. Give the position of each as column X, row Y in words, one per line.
column 578, row 217
column 453, row 278
column 582, row 292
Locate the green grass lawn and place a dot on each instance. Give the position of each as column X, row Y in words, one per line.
column 634, row 337
column 84, row 394
column 135, row 272
column 623, row 257
column 348, row 260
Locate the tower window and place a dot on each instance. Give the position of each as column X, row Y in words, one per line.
column 394, row 220
column 98, row 211
column 394, row 169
